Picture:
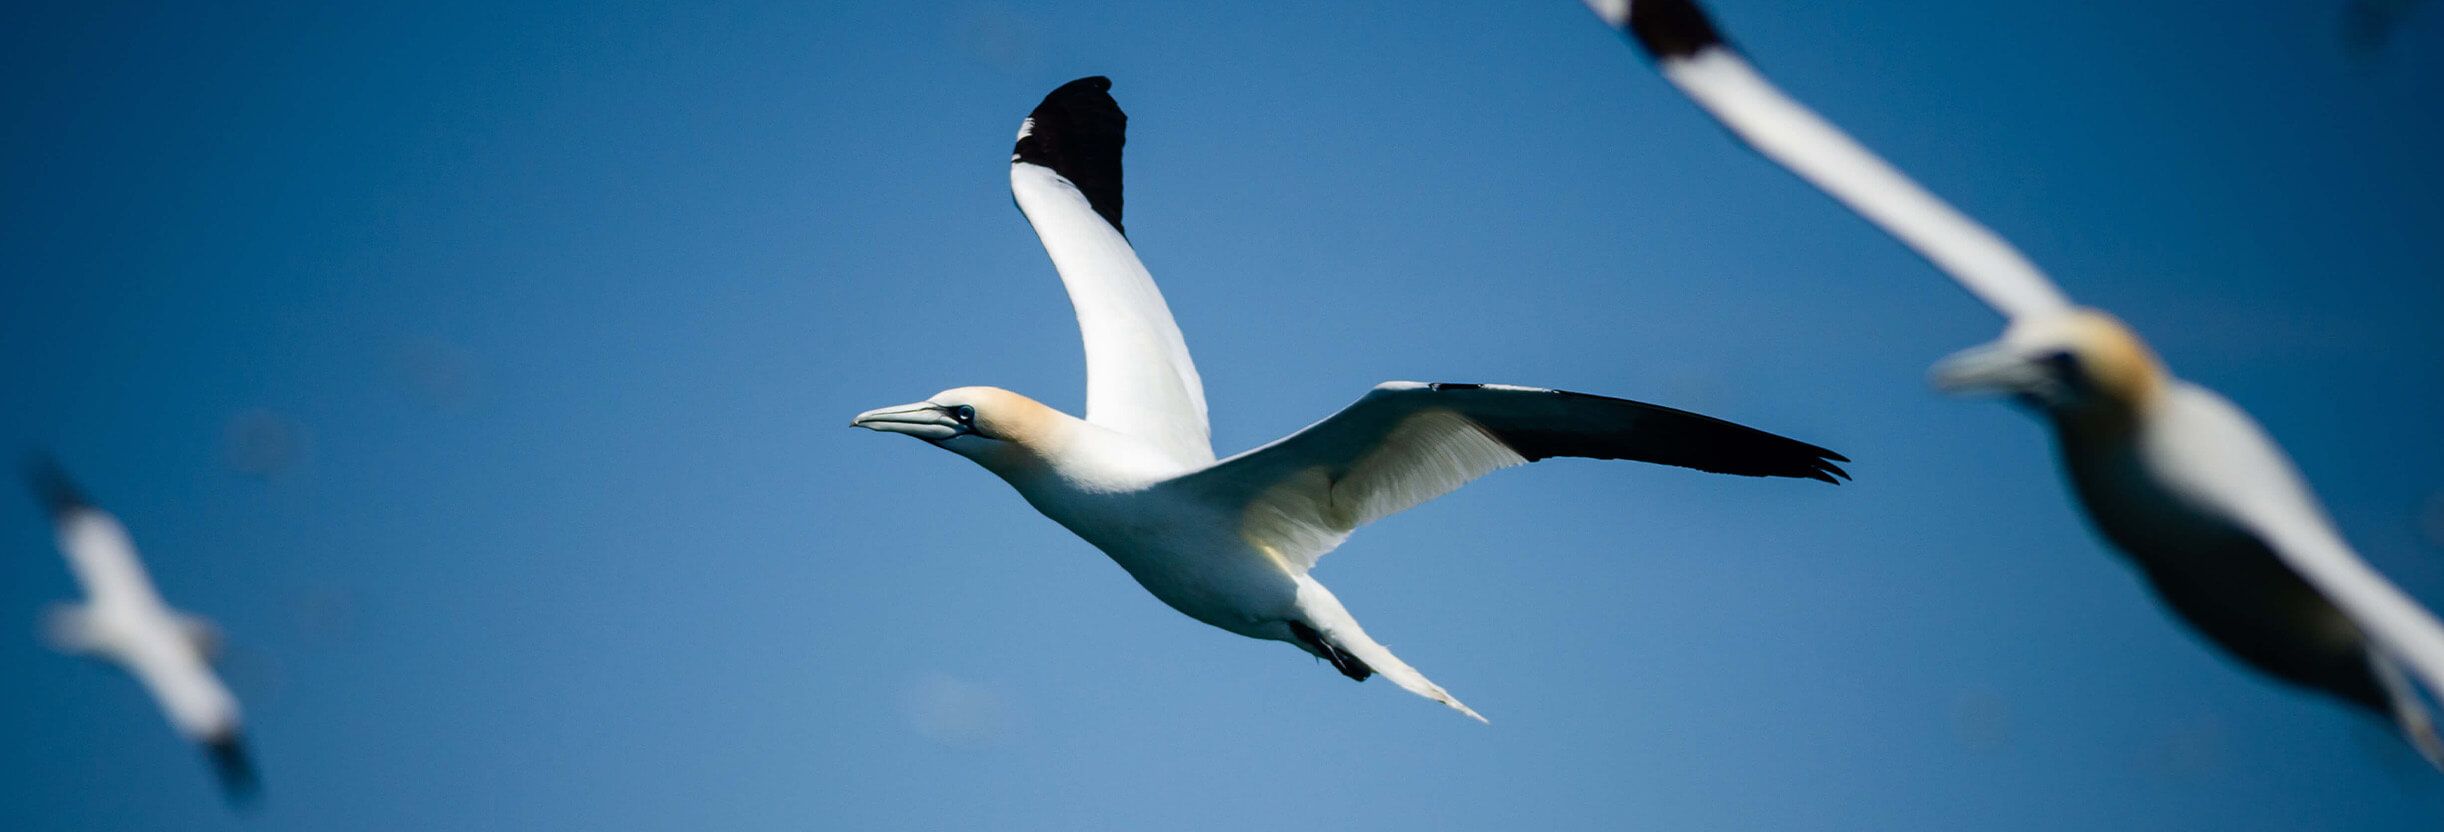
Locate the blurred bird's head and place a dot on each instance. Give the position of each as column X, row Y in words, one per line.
column 994, row 427
column 2081, row 366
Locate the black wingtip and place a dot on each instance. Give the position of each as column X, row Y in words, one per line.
column 1077, row 132
column 58, row 493
column 1671, row 29
column 235, row 769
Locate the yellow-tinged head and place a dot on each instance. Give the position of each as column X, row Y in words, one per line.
column 2083, row 367
column 986, row 424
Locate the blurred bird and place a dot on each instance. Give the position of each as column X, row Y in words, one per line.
column 1230, row 542
column 124, row 621
column 2185, row 483
column 2367, row 25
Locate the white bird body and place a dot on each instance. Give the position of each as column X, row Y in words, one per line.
column 2180, row 480
column 1230, row 542
column 2151, row 490
column 125, row 622
column 1106, row 489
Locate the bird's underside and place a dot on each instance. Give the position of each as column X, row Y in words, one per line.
column 2254, row 607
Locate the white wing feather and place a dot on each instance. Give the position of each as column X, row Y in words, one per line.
column 1139, row 379
column 1330, row 489
column 166, row 661
column 1784, row 130
column 103, row 559
column 125, row 621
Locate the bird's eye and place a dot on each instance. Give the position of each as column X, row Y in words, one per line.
column 966, row 415
column 2062, row 362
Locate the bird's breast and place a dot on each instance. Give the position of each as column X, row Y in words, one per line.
column 2142, row 510
column 1189, row 556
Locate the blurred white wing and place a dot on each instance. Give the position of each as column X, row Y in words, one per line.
column 1692, row 55
column 1065, row 175
column 104, row 559
column 2227, row 459
column 125, row 621
column 160, row 655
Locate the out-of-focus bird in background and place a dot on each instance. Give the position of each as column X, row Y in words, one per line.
column 124, row 621
column 1230, row 542
column 2367, row 25
column 2204, row 503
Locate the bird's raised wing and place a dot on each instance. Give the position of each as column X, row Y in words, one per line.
column 1065, row 176
column 1405, row 443
column 1693, row 56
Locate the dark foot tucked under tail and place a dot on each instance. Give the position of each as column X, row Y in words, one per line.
column 1344, row 662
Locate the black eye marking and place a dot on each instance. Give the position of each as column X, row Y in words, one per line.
column 966, row 414
column 2063, row 362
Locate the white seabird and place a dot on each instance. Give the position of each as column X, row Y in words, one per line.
column 124, row 621
column 1230, row 542
column 2204, row 503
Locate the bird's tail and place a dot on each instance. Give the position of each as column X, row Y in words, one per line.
column 2417, row 724
column 1338, row 633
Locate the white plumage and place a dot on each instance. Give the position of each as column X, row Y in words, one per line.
column 1230, row 543
column 2185, row 483
column 124, row 621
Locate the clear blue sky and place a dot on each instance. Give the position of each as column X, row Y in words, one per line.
column 560, row 311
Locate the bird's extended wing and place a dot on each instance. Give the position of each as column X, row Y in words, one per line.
column 1693, row 56
column 181, row 680
column 1065, row 176
column 1405, row 443
column 2225, row 458
column 99, row 551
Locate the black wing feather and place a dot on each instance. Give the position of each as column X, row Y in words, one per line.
column 235, row 769
column 58, row 493
column 1078, row 132
column 1542, row 424
column 1671, row 29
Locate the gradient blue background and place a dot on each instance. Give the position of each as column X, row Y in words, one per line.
column 561, row 311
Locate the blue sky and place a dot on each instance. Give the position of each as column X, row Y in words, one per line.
column 485, row 371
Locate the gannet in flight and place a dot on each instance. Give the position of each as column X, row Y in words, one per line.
column 2203, row 502
column 125, row 622
column 1230, row 542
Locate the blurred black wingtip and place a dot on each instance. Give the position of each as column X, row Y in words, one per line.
column 1672, row 29
column 58, row 493
column 235, row 769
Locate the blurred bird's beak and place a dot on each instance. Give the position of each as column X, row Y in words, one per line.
column 1991, row 368
column 923, row 420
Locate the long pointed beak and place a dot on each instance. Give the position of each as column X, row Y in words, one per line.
column 923, row 420
column 1989, row 368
